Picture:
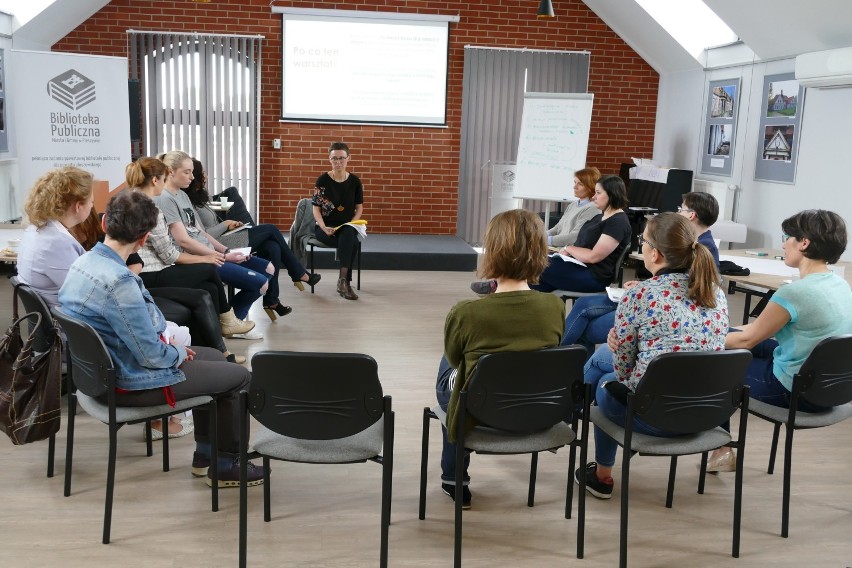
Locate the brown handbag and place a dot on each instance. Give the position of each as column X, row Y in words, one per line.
column 29, row 383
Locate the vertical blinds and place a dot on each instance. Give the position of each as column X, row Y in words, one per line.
column 494, row 83
column 201, row 94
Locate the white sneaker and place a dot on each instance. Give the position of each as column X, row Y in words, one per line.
column 251, row 334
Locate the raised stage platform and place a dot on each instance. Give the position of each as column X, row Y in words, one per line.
column 409, row 252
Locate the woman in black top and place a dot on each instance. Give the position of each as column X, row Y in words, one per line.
column 598, row 245
column 338, row 199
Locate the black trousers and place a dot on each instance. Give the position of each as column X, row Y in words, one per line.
column 194, row 309
column 345, row 240
column 200, row 276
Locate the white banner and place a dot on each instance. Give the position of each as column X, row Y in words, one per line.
column 69, row 110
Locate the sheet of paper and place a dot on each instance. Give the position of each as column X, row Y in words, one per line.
column 569, row 259
column 246, row 251
column 615, row 294
column 762, row 265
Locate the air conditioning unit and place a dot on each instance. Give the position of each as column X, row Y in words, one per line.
column 825, row 69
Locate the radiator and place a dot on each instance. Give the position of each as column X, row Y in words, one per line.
column 723, row 192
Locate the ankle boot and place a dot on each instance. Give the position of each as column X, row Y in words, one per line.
column 345, row 289
column 232, row 326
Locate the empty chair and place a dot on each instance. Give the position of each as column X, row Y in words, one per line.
column 92, row 373
column 321, row 408
column 520, row 401
column 825, row 379
column 691, row 394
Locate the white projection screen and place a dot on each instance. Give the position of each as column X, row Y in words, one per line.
column 364, row 67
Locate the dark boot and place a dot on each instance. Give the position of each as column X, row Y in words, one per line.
column 345, row 289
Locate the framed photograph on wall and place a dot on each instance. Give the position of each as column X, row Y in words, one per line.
column 720, row 124
column 780, row 121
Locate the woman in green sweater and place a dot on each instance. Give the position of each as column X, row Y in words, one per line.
column 514, row 318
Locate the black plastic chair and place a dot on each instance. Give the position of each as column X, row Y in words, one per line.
column 825, row 379
column 617, row 280
column 692, row 393
column 322, row 408
column 92, row 373
column 45, row 334
column 521, row 401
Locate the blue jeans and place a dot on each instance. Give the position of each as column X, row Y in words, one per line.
column 561, row 275
column 443, row 389
column 606, row 447
column 266, row 240
column 763, row 385
column 589, row 322
column 598, row 368
column 249, row 277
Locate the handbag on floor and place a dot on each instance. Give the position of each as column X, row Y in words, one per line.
column 29, row 383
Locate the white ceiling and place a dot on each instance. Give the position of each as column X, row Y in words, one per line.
column 771, row 28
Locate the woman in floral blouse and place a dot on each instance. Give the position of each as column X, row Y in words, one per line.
column 682, row 308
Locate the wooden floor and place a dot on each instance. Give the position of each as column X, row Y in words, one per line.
column 329, row 515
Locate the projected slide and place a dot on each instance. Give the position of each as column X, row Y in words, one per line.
column 364, row 70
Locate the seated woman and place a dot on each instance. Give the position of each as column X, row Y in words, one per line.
column 248, row 273
column 514, row 318
column 573, row 218
column 265, row 240
column 592, row 317
column 338, row 199
column 164, row 266
column 599, row 243
column 681, row 308
column 798, row 316
column 101, row 291
column 59, row 200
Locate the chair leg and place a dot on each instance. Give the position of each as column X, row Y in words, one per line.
column 569, row 489
column 387, row 488
column 773, row 449
column 243, row 474
column 69, row 446
column 51, row 452
column 164, row 424
column 311, row 262
column 625, row 488
column 672, row 475
column 788, row 466
column 457, row 549
column 738, row 501
column 267, row 491
column 424, row 461
column 702, row 475
column 214, row 457
column 113, row 442
column 533, row 471
column 359, row 266
column 149, row 444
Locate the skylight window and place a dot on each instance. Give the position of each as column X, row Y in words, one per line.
column 691, row 23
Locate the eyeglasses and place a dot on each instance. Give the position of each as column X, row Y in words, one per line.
column 785, row 237
column 339, row 158
column 644, row 241
column 685, row 210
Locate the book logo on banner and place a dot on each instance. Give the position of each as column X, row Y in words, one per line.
column 72, row 89
column 508, row 176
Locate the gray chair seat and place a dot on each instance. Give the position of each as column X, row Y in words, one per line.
column 487, row 440
column 684, row 445
column 803, row 419
column 130, row 414
column 356, row 448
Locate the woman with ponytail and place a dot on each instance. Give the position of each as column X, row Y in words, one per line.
column 681, row 308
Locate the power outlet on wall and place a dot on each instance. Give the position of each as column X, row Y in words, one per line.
column 276, row 144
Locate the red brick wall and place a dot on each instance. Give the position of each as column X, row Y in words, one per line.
column 410, row 174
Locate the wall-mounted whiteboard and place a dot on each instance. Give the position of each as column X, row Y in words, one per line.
column 553, row 144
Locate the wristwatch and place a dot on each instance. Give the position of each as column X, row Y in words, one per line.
column 226, row 251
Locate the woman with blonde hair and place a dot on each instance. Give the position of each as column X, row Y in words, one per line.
column 681, row 308
column 513, row 318
column 59, row 200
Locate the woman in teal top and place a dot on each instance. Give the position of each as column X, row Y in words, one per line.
column 800, row 314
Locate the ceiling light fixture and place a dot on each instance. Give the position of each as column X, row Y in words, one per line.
column 545, row 9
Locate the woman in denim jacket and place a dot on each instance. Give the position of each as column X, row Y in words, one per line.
column 101, row 291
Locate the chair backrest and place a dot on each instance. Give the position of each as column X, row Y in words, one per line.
column 825, row 378
column 91, row 365
column 315, row 396
column 526, row 391
column 33, row 302
column 691, row 391
column 618, row 277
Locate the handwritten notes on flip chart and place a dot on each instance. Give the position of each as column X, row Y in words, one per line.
column 553, row 144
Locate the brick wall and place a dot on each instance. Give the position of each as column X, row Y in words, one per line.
column 410, row 174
